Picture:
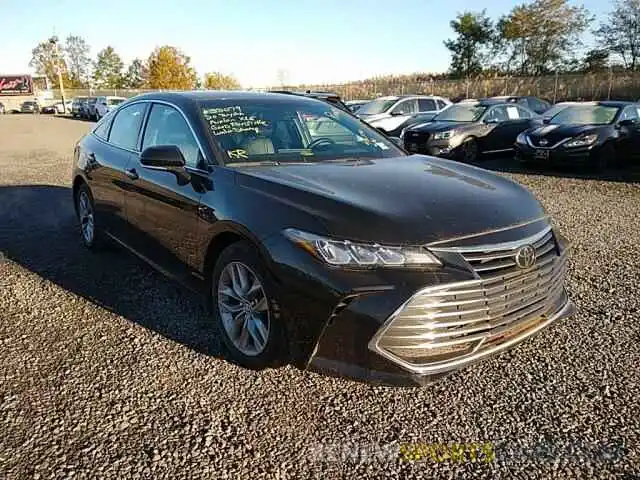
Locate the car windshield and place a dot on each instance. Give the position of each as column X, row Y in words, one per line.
column 585, row 115
column 114, row 101
column 461, row 113
column 377, row 106
column 291, row 131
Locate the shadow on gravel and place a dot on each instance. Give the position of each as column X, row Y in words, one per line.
column 623, row 174
column 38, row 230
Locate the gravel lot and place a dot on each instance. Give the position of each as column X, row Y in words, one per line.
column 110, row 371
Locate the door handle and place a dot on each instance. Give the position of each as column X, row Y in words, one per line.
column 131, row 173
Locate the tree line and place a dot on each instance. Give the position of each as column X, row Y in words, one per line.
column 165, row 68
column 542, row 37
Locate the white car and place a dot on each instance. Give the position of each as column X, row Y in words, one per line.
column 60, row 110
column 392, row 114
column 105, row 104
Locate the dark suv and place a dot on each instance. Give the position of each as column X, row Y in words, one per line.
column 315, row 239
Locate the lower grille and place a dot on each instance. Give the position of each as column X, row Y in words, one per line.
column 453, row 320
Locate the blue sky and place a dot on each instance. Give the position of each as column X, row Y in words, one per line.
column 314, row 42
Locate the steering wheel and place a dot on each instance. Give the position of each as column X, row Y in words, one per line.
column 321, row 141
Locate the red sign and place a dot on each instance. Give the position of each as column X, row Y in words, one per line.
column 16, row 85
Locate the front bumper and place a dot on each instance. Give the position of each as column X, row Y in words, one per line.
column 335, row 318
column 436, row 148
column 556, row 156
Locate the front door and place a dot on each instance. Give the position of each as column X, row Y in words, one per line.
column 163, row 207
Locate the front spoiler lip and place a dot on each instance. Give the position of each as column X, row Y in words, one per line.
column 567, row 310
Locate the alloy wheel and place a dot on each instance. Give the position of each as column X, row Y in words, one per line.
column 243, row 308
column 85, row 212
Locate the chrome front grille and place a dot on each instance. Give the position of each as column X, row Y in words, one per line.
column 454, row 320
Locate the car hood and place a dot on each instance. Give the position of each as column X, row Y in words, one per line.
column 414, row 199
column 556, row 133
column 373, row 117
column 433, row 127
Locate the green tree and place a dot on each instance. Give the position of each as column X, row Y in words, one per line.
column 169, row 68
column 620, row 34
column 136, row 76
column 595, row 60
column 46, row 59
column 76, row 51
column 474, row 31
column 220, row 81
column 107, row 72
column 537, row 38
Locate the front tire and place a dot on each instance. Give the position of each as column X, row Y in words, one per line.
column 468, row 151
column 246, row 308
column 605, row 157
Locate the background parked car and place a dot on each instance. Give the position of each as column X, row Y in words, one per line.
column 68, row 104
column 30, row 106
column 392, row 114
column 467, row 129
column 48, row 109
column 91, row 108
column 105, row 104
column 354, row 105
column 594, row 134
column 76, row 106
column 84, row 107
column 535, row 104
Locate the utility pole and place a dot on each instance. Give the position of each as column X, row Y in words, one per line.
column 54, row 41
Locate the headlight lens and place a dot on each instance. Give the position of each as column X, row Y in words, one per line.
column 522, row 139
column 582, row 140
column 444, row 135
column 354, row 254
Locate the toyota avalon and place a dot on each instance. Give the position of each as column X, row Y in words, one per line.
column 337, row 252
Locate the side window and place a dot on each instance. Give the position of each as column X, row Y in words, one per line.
column 441, row 104
column 426, row 105
column 523, row 113
column 630, row 113
column 126, row 125
column 405, row 107
column 166, row 126
column 498, row 114
column 102, row 129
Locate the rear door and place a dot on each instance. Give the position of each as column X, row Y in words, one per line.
column 164, row 209
column 108, row 154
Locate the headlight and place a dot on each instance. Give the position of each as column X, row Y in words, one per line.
column 522, row 139
column 354, row 254
column 444, row 135
column 582, row 140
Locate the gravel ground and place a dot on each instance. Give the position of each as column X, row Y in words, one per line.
column 110, row 371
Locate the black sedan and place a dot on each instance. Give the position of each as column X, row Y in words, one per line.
column 465, row 130
column 592, row 134
column 315, row 239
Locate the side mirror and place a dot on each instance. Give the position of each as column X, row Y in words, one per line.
column 166, row 157
column 395, row 113
column 625, row 123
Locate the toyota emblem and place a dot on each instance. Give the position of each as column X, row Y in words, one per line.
column 526, row 257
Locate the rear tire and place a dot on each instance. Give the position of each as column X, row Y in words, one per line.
column 246, row 308
column 92, row 236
